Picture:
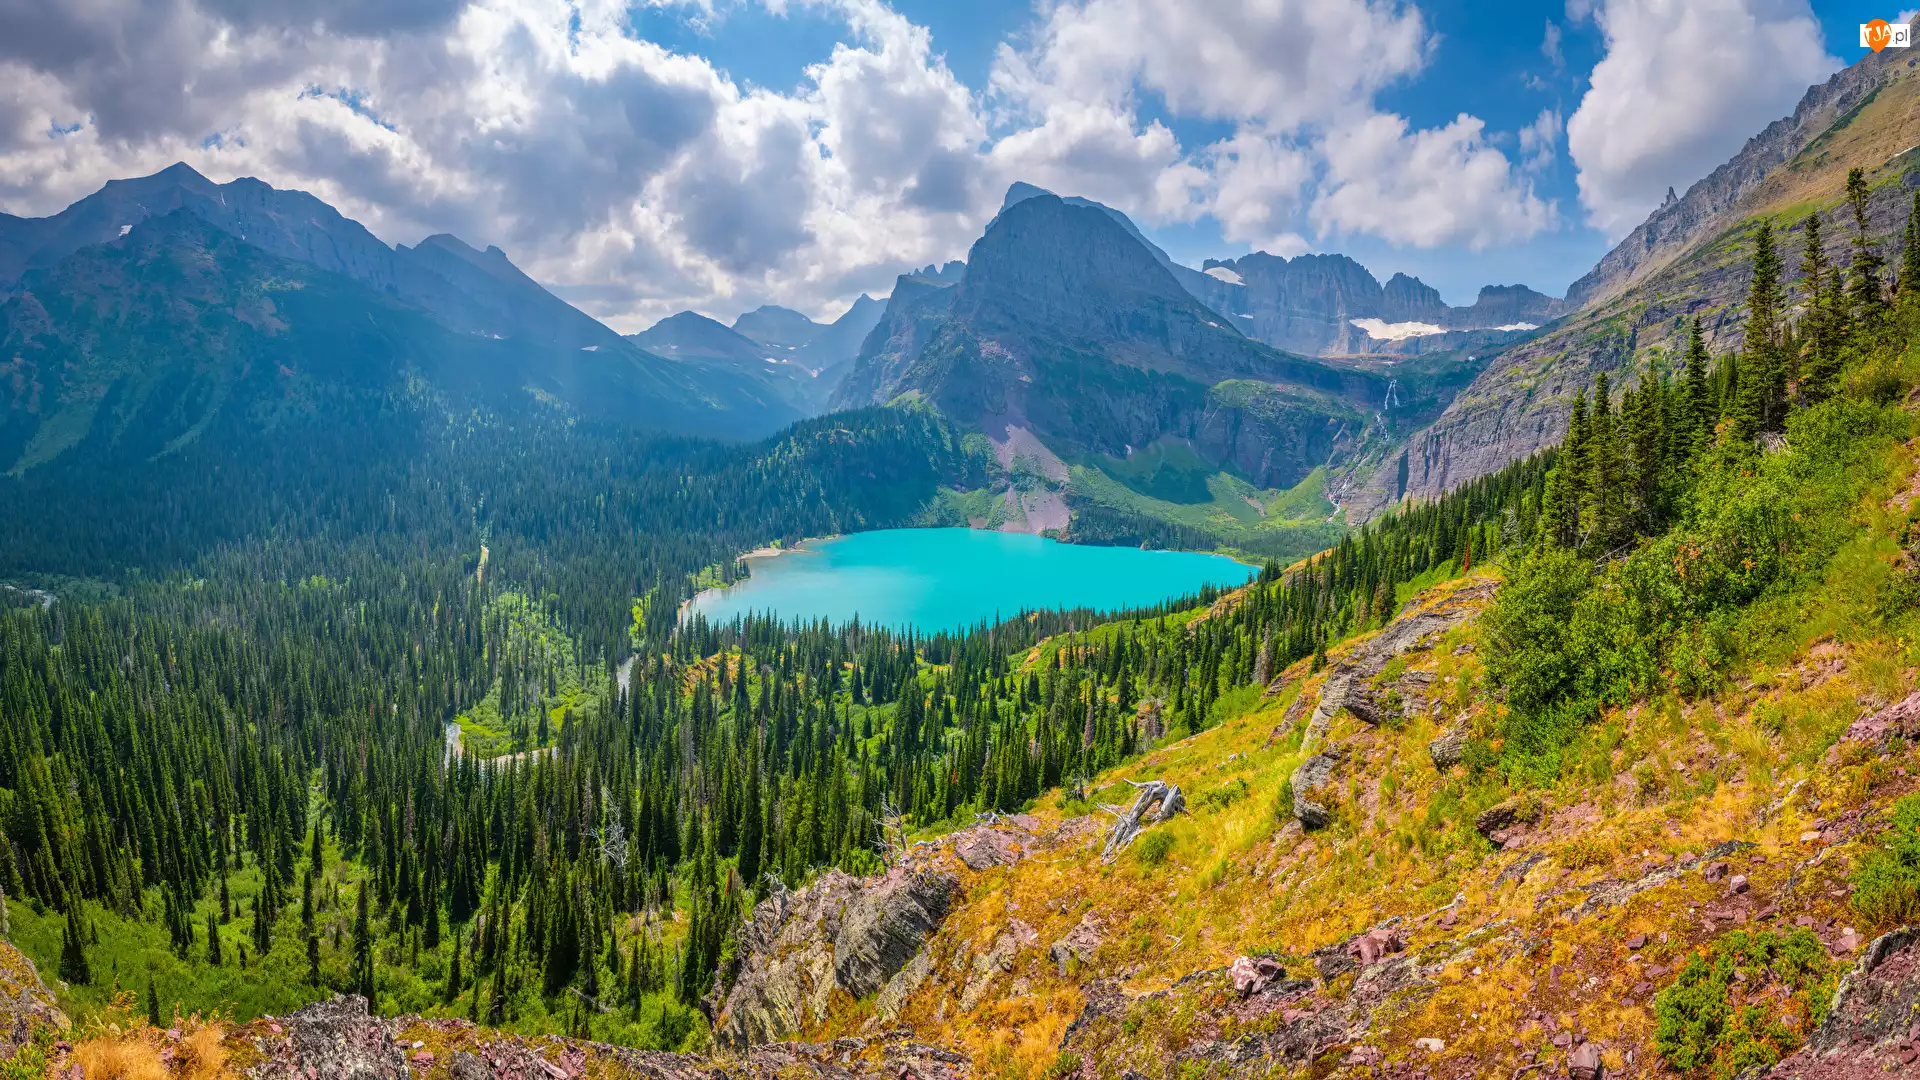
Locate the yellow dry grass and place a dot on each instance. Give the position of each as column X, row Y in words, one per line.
column 119, row 1057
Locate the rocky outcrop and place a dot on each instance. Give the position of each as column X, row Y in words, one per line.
column 1078, row 944
column 1872, row 1029
column 839, row 933
column 340, row 1039
column 337, row 1037
column 1346, row 686
column 1313, row 802
column 1241, row 1021
column 884, row 925
column 26, row 1006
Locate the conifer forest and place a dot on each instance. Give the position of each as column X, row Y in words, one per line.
column 408, row 709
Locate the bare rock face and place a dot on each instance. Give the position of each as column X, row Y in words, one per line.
column 884, row 925
column 1873, row 1022
column 25, row 1004
column 335, row 1038
column 338, row 1038
column 841, row 932
column 1312, row 804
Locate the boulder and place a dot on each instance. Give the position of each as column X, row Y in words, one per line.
column 1079, row 943
column 1250, row 974
column 1447, row 750
column 1495, row 821
column 1584, row 1063
column 1376, row 945
column 335, row 1038
column 1312, row 789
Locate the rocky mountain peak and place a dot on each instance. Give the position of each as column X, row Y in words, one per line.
column 771, row 324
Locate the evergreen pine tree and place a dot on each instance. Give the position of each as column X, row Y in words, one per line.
column 73, row 949
column 362, row 979
column 313, row 959
column 1863, row 282
column 453, row 975
column 1700, row 415
column 1824, row 320
column 153, row 1004
column 1756, row 405
column 1910, row 250
column 213, row 940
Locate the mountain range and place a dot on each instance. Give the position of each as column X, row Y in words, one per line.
column 157, row 309
column 1104, row 372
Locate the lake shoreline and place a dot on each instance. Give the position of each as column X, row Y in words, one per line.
column 891, row 581
column 767, row 551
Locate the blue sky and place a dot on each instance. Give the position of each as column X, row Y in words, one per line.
column 645, row 156
column 1488, row 61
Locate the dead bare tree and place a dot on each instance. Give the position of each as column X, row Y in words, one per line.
column 892, row 841
column 1158, row 801
column 613, row 844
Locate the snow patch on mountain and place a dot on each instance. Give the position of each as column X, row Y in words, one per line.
column 1381, row 330
column 1221, row 273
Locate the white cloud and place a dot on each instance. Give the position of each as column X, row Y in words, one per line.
column 1540, row 140
column 1298, row 80
column 1425, row 188
column 1683, row 85
column 638, row 181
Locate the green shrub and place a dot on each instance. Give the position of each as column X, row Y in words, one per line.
column 1699, row 1030
column 1886, row 883
column 1155, row 846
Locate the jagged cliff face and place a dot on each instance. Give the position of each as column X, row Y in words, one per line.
column 1330, row 305
column 1065, row 325
column 1690, row 259
column 1681, row 223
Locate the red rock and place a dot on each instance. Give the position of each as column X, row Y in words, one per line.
column 1637, row 941
column 1715, row 871
column 1584, row 1062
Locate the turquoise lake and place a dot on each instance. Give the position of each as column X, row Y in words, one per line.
column 943, row 579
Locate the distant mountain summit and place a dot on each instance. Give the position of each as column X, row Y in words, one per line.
column 771, row 324
column 161, row 309
column 1067, row 336
column 479, row 292
column 1325, row 304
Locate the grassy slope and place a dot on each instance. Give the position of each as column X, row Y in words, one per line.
column 1647, row 785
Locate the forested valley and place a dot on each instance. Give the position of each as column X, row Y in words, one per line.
column 416, row 717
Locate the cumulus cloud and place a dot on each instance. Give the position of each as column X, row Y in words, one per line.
column 636, row 180
column 1425, row 188
column 1540, row 140
column 1682, row 86
column 1297, row 78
